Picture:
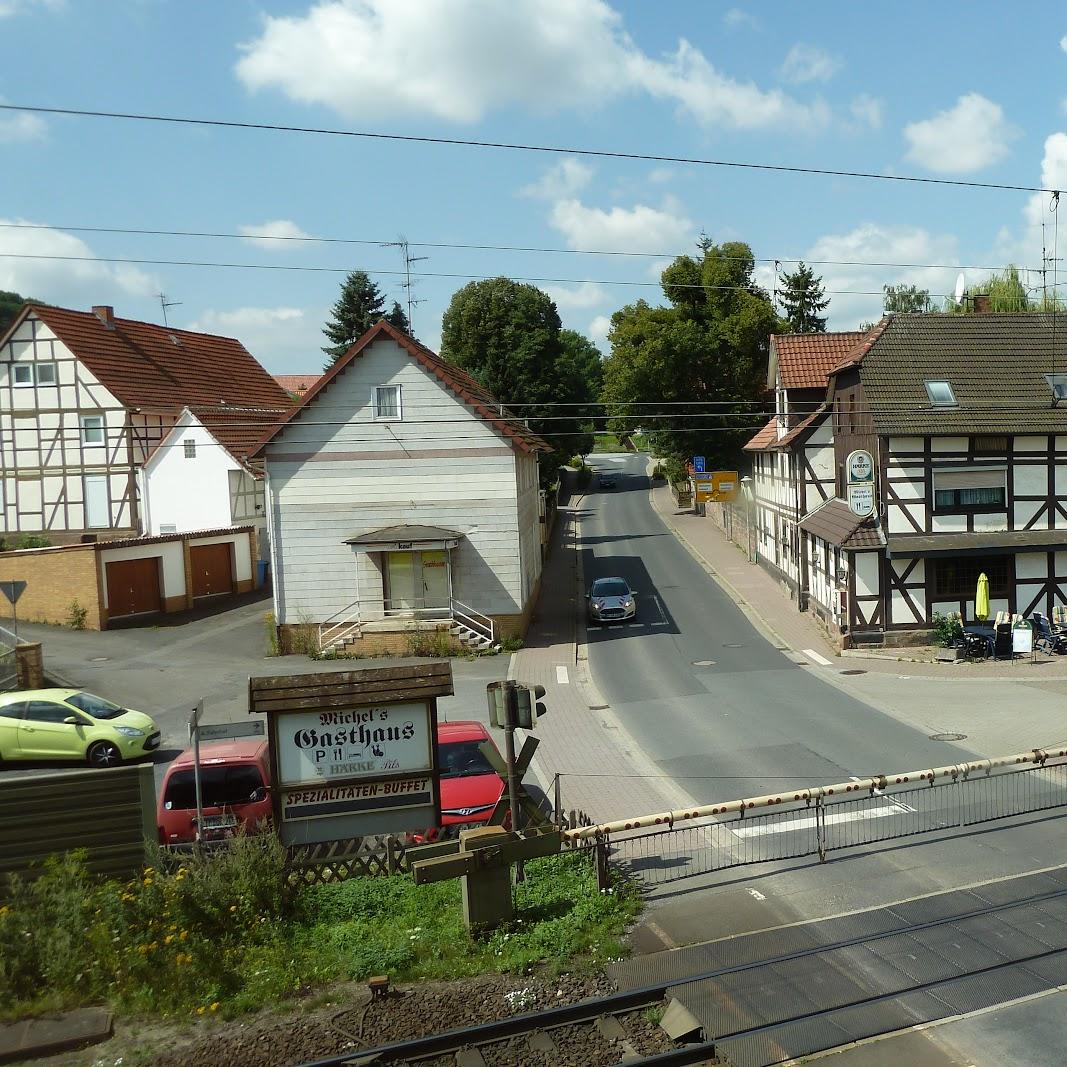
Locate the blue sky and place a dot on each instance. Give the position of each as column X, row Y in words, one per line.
column 947, row 91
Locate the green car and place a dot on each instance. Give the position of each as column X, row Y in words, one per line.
column 69, row 724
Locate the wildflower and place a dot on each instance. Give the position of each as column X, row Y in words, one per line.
column 233, row 907
column 200, row 1010
column 214, row 1006
column 183, row 935
column 5, row 909
column 168, row 939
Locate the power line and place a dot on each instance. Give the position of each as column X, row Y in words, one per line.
column 519, row 147
column 466, row 247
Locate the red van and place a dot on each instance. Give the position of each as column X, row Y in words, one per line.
column 234, row 788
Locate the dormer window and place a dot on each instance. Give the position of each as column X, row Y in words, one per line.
column 1058, row 384
column 941, row 394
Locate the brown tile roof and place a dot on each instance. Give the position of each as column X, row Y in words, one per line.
column 837, row 523
column 145, row 365
column 805, row 360
column 457, row 381
column 855, row 354
column 766, row 437
column 238, row 430
column 954, row 543
column 297, row 383
column 996, row 364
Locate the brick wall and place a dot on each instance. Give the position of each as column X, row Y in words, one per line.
column 54, row 578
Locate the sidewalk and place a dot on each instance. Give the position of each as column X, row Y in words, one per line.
column 581, row 740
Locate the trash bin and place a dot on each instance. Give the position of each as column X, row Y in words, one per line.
column 262, row 568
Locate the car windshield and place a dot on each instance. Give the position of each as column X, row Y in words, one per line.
column 219, row 787
column 611, row 587
column 97, row 707
column 461, row 759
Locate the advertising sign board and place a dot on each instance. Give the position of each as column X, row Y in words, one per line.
column 861, row 498
column 860, row 466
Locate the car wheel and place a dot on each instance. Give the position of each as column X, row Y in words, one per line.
column 103, row 754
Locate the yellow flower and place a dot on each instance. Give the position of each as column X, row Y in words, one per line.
column 215, row 1006
column 5, row 909
column 233, row 907
column 183, row 935
column 200, row 1011
column 168, row 939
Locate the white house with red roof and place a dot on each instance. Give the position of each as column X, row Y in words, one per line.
column 85, row 398
column 403, row 500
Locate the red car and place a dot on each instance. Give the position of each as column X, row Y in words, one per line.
column 470, row 788
column 234, row 788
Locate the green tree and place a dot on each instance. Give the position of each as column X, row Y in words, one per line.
column 906, row 299
column 1005, row 291
column 398, row 317
column 357, row 309
column 802, row 297
column 10, row 304
column 707, row 351
column 508, row 336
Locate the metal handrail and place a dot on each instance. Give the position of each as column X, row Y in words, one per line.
column 474, row 620
column 334, row 633
column 349, row 619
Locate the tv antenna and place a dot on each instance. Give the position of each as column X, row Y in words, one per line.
column 407, row 284
column 164, row 303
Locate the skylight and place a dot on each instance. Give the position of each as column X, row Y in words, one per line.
column 941, row 394
column 1058, row 384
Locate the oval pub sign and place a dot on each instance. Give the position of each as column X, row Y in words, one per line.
column 860, row 466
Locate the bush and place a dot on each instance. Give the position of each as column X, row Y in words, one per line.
column 271, row 626
column 76, row 615
column 659, row 472
column 947, row 628
column 33, row 541
column 511, row 643
column 577, row 462
column 674, row 470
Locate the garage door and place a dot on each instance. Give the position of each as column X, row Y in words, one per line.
column 212, row 569
column 132, row 586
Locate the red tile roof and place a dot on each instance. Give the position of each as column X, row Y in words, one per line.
column 239, row 430
column 767, row 436
column 457, row 381
column 805, row 360
column 297, row 383
column 145, row 365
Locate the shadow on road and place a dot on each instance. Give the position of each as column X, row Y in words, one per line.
column 653, row 615
column 220, row 606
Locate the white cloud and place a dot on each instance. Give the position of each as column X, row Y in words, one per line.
column 736, row 18
column 273, row 335
column 598, row 332
column 659, row 175
column 380, row 59
column 20, row 7
column 806, row 63
column 881, row 244
column 967, row 137
column 20, row 126
column 867, row 111
column 71, row 282
column 640, row 228
column 1063, row 43
column 276, row 234
column 583, row 295
column 566, row 178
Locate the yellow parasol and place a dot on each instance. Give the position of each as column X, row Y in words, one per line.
column 981, row 598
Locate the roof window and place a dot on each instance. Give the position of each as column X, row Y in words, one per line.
column 1058, row 384
column 941, row 394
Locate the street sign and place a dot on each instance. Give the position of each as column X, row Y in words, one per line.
column 861, row 498
column 226, row 731
column 12, row 590
column 698, row 464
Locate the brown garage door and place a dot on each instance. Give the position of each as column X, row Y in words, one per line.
column 132, row 586
column 212, row 569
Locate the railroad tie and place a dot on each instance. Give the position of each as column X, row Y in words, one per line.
column 613, row 1030
column 469, row 1057
column 541, row 1042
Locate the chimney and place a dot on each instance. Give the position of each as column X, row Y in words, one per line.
column 106, row 314
column 981, row 303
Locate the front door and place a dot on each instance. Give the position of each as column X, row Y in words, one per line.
column 400, row 590
column 435, row 578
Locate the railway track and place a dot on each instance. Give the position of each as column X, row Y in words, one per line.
column 615, row 1029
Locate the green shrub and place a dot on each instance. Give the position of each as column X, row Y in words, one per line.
column 577, row 462
column 947, row 628
column 659, row 472
column 76, row 615
column 33, row 541
column 511, row 643
column 271, row 627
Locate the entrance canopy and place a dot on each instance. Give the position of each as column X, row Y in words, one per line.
column 404, row 539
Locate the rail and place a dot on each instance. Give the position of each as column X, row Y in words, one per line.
column 474, row 620
column 339, row 626
column 347, row 622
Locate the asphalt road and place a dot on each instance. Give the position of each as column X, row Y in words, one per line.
column 709, row 699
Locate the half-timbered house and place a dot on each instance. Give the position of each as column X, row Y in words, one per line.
column 403, row 500
column 85, row 397
column 965, row 417
column 792, row 455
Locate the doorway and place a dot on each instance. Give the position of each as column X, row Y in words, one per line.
column 417, row 580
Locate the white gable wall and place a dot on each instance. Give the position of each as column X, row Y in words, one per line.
column 334, row 472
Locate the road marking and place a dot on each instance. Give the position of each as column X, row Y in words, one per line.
column 899, row 804
column 589, row 629
column 633, row 625
column 757, row 894
column 814, row 656
column 562, row 677
column 659, row 624
column 808, row 821
column 659, row 607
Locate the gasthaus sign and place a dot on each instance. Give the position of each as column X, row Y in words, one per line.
column 353, row 753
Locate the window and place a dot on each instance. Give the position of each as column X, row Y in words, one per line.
column 97, row 511
column 1058, row 384
column 168, row 528
column 220, row 787
column 46, row 373
column 941, row 395
column 957, row 579
column 24, row 374
column 190, row 449
column 387, row 402
column 13, row 711
column 461, row 759
column 93, row 429
column 97, row 707
column 41, row 373
column 46, row 711
column 964, row 491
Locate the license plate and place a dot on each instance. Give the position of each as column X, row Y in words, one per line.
column 218, row 822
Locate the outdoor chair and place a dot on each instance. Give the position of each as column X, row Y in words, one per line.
column 1045, row 640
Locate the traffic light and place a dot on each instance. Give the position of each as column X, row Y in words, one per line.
column 528, row 706
column 496, row 694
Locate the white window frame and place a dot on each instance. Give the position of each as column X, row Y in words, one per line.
column 87, row 429
column 96, row 480
column 28, row 383
column 377, row 406
column 39, row 368
column 189, row 448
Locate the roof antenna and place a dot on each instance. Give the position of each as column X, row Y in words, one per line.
column 407, row 284
column 164, row 303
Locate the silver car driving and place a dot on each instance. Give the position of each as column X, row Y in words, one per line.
column 611, row 600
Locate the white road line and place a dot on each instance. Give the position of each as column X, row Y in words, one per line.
column 562, row 677
column 589, row 629
column 662, row 613
column 659, row 624
column 898, row 804
column 757, row 894
column 814, row 656
column 808, row 821
column 634, row 625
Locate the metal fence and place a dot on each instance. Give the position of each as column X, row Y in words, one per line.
column 827, row 819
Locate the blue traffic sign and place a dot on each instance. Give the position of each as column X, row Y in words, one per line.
column 698, row 464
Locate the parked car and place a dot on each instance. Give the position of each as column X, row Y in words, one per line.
column 70, row 724
column 611, row 600
column 234, row 790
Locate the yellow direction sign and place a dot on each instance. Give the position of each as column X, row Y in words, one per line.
column 719, row 487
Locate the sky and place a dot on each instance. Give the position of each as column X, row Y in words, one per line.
column 961, row 92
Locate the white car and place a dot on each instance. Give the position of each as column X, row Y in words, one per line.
column 611, row 600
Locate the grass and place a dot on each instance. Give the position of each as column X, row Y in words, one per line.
column 607, row 442
column 218, row 934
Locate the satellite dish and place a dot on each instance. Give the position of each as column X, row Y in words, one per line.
column 961, row 287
